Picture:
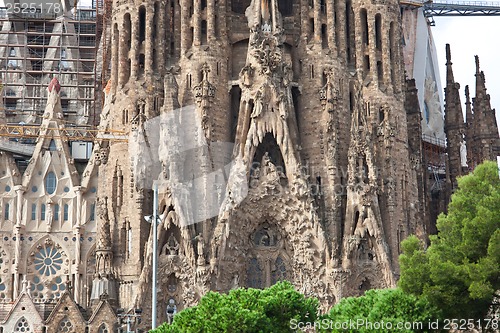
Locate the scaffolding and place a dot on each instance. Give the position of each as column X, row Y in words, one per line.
column 434, row 154
column 35, row 47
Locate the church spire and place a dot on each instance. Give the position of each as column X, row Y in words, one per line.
column 454, row 122
column 487, row 142
column 469, row 128
column 103, row 283
column 449, row 69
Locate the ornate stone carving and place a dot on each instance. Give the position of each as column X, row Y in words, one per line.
column 101, row 155
column 203, row 93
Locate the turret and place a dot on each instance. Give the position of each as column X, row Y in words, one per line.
column 104, row 279
column 485, row 144
column 454, row 123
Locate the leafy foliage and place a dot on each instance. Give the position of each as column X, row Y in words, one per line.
column 392, row 307
column 245, row 311
column 460, row 271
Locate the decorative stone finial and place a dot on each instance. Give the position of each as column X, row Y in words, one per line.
column 54, row 84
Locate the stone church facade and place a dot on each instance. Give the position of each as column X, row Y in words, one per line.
column 312, row 97
column 283, row 138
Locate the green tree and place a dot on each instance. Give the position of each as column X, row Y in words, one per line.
column 380, row 310
column 460, row 270
column 245, row 311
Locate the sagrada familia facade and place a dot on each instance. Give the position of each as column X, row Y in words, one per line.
column 285, row 143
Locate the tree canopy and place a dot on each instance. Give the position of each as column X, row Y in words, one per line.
column 460, row 271
column 380, row 310
column 246, row 311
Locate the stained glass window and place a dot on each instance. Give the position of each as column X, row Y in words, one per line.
column 33, row 211
column 92, row 212
column 6, row 211
column 279, row 272
column 56, row 212
column 66, row 212
column 254, row 274
column 50, row 182
column 42, row 213
column 48, row 260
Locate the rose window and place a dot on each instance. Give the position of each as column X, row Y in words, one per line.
column 65, row 325
column 103, row 329
column 48, row 261
column 49, row 269
column 22, row 326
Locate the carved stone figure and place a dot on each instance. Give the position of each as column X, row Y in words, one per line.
column 172, row 246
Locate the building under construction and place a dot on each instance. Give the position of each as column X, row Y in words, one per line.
column 340, row 157
column 37, row 44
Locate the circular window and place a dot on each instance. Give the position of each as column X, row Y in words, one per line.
column 50, row 182
column 93, row 190
column 7, row 188
column 34, row 189
column 48, row 261
column 66, row 189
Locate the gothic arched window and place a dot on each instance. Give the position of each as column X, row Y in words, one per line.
column 22, row 326
column 50, row 182
column 254, row 274
column 279, row 271
column 268, row 261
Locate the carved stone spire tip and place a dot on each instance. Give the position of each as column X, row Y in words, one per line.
column 54, row 84
column 448, row 54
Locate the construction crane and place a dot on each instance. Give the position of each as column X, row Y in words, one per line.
column 76, row 133
column 20, row 139
column 453, row 8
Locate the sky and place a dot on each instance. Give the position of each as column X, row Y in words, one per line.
column 469, row 36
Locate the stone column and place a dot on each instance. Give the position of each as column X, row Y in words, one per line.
column 123, row 57
column 304, row 17
column 19, row 203
column 372, row 49
column 386, row 55
column 317, row 21
column 341, row 28
column 185, row 26
column 196, row 23
column 330, row 14
column 162, row 40
column 134, row 52
column 114, row 57
column 211, row 20
column 358, row 43
column 149, row 42
column 77, row 233
column 274, row 19
column 15, row 269
column 17, row 234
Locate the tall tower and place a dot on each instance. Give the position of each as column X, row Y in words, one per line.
column 485, row 144
column 454, row 124
column 316, row 187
